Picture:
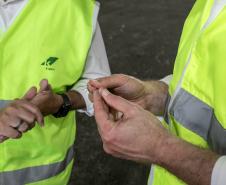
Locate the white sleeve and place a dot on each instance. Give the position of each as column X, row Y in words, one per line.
column 96, row 66
column 219, row 172
column 167, row 79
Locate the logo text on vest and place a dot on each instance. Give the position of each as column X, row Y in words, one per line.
column 49, row 63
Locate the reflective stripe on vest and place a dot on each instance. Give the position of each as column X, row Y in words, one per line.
column 199, row 117
column 37, row 173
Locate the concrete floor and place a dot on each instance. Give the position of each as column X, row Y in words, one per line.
column 141, row 39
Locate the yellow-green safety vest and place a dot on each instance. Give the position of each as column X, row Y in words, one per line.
column 49, row 39
column 196, row 111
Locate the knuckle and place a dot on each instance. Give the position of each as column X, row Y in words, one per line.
column 36, row 109
column 132, row 111
column 31, row 119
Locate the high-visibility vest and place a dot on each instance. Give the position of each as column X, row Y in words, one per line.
column 196, row 111
column 49, row 39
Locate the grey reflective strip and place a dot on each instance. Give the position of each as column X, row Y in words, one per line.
column 34, row 174
column 179, row 83
column 192, row 113
column 198, row 117
column 215, row 11
column 3, row 103
column 151, row 176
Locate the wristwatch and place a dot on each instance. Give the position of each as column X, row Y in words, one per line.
column 65, row 107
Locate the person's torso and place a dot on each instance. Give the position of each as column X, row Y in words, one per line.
column 47, row 40
column 196, row 111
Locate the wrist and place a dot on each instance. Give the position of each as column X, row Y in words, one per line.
column 58, row 102
column 155, row 96
column 164, row 150
column 76, row 99
column 161, row 148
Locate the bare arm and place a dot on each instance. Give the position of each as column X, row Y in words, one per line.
column 190, row 163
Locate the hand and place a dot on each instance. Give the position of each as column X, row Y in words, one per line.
column 137, row 135
column 46, row 100
column 151, row 95
column 19, row 116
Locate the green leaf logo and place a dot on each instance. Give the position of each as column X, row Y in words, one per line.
column 49, row 62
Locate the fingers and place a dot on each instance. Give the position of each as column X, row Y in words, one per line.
column 44, row 85
column 9, row 132
column 24, row 127
column 35, row 112
column 101, row 113
column 21, row 111
column 116, row 102
column 26, row 111
column 30, row 94
column 93, row 85
column 110, row 82
column 113, row 81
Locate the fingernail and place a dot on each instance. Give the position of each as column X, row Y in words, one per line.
column 95, row 92
column 104, row 92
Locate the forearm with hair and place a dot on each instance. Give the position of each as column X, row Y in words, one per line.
column 190, row 163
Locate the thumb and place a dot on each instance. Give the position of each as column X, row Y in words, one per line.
column 30, row 94
column 116, row 102
column 101, row 113
column 44, row 85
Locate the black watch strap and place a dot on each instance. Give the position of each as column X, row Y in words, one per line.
column 65, row 108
